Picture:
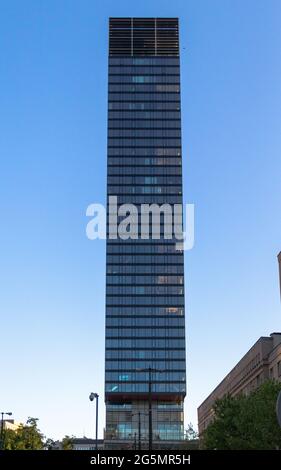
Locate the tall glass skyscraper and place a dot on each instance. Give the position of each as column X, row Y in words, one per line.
column 145, row 323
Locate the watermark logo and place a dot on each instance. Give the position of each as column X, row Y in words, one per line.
column 147, row 221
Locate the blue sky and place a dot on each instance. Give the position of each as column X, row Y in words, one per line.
column 53, row 95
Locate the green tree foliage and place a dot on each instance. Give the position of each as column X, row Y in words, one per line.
column 191, row 440
column 190, row 433
column 29, row 437
column 67, row 443
column 26, row 437
column 49, row 444
column 245, row 422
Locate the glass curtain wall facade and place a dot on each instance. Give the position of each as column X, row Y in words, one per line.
column 145, row 323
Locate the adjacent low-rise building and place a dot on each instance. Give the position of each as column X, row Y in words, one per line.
column 10, row 424
column 80, row 443
column 85, row 443
column 261, row 362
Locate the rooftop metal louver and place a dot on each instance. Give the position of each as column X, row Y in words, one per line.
column 143, row 37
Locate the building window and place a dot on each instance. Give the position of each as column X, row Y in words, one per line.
column 124, row 430
column 169, row 431
column 138, row 79
column 123, row 378
column 279, row 368
column 271, row 373
column 119, row 406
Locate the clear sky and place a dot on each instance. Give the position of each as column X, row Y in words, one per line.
column 53, row 108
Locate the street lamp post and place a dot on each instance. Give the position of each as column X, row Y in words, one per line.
column 92, row 397
column 139, row 430
column 8, row 413
column 150, row 371
column 150, row 408
column 138, row 414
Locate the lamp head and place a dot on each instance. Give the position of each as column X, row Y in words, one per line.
column 93, row 396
